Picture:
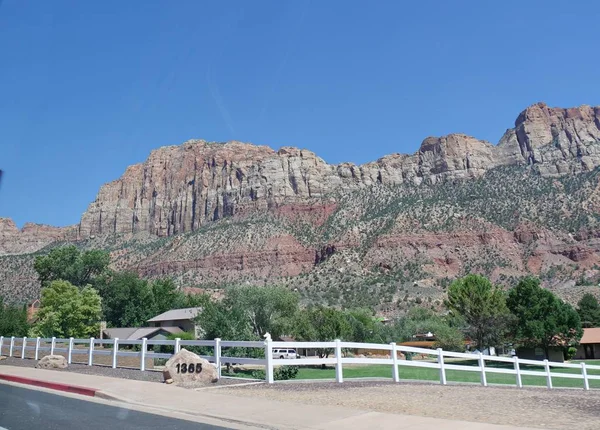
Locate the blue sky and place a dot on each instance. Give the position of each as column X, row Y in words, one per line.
column 88, row 87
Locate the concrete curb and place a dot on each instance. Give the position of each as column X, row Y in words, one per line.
column 75, row 389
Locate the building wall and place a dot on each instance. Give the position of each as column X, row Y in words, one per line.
column 580, row 355
column 185, row 325
column 555, row 354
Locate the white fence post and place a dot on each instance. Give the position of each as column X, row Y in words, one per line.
column 482, row 367
column 218, row 356
column 586, row 382
column 339, row 374
column 548, row 376
column 37, row 348
column 442, row 367
column 115, row 351
column 52, row 345
column 143, row 354
column 269, row 359
column 518, row 372
column 12, row 346
column 91, row 352
column 1, row 344
column 177, row 345
column 23, row 348
column 395, row 373
column 70, row 353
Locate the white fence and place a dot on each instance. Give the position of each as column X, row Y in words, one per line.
column 17, row 347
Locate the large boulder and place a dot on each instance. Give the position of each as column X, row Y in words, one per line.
column 189, row 370
column 52, row 362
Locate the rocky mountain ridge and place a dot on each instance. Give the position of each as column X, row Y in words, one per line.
column 179, row 188
column 389, row 231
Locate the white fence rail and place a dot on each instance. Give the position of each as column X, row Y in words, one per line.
column 18, row 347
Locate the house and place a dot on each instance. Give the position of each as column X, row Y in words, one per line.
column 172, row 322
column 136, row 333
column 589, row 345
column 182, row 318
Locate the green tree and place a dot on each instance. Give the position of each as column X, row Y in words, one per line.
column 321, row 324
column 128, row 301
column 542, row 319
column 589, row 311
column 221, row 320
column 13, row 320
column 364, row 326
column 421, row 320
column 267, row 309
column 218, row 320
column 67, row 311
column 70, row 264
column 165, row 296
column 482, row 306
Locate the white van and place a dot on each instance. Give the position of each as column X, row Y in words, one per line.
column 284, row 353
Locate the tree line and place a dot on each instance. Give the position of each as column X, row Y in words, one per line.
column 527, row 315
column 79, row 290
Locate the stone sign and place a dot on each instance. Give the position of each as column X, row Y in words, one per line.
column 189, row 370
column 52, row 362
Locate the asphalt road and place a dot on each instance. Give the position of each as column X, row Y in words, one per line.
column 23, row 409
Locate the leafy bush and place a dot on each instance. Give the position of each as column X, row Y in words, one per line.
column 13, row 320
column 259, row 374
column 285, row 372
column 570, row 352
column 282, row 373
column 199, row 350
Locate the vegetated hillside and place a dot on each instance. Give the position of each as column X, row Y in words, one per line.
column 382, row 246
column 385, row 234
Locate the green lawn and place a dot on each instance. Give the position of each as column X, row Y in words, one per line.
column 425, row 374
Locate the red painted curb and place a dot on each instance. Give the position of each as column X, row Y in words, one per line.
column 51, row 385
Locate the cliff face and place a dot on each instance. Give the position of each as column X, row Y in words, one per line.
column 179, row 188
column 558, row 140
column 182, row 187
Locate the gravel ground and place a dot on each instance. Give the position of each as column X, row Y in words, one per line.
column 530, row 407
column 92, row 370
column 135, row 374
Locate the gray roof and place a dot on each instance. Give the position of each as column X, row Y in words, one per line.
column 121, row 332
column 177, row 314
column 136, row 333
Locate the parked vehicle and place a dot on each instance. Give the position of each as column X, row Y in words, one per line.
column 284, row 353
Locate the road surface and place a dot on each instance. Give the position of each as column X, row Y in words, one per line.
column 24, row 409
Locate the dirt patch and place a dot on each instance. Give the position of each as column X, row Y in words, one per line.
column 80, row 355
column 529, row 407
